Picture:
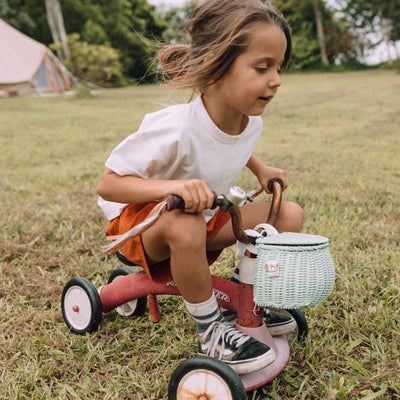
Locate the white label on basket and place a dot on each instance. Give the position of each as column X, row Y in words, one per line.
column 272, row 268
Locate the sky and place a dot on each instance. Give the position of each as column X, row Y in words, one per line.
column 177, row 3
column 376, row 56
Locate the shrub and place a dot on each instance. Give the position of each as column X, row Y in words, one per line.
column 98, row 64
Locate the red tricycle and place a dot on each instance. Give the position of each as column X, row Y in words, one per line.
column 129, row 292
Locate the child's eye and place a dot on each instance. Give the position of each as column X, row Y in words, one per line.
column 261, row 69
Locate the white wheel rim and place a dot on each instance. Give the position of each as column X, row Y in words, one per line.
column 128, row 308
column 77, row 307
column 203, row 382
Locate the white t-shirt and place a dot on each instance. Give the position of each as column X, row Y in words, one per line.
column 182, row 142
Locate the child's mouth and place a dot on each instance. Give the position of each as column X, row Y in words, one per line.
column 265, row 99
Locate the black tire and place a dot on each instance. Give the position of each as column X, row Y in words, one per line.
column 135, row 307
column 301, row 321
column 81, row 307
column 121, row 271
column 214, row 373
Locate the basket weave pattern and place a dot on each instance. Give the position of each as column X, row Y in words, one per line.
column 305, row 275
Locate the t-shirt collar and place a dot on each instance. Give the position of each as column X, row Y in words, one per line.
column 211, row 127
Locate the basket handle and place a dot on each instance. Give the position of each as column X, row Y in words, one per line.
column 275, row 186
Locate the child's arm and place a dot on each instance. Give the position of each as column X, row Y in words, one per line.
column 132, row 189
column 264, row 172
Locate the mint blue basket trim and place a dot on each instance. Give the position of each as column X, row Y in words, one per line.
column 297, row 248
column 292, row 239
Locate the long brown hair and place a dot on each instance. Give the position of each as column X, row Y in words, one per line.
column 218, row 33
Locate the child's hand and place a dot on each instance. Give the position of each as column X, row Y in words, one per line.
column 195, row 193
column 270, row 172
column 265, row 173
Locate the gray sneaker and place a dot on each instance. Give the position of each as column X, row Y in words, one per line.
column 241, row 352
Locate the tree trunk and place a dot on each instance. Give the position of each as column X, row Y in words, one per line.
column 57, row 28
column 320, row 32
column 397, row 50
column 385, row 28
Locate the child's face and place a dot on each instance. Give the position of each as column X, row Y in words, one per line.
column 253, row 79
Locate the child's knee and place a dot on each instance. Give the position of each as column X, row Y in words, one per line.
column 291, row 217
column 185, row 229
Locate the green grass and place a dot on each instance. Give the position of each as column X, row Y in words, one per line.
column 338, row 137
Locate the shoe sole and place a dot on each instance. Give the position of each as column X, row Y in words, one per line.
column 253, row 364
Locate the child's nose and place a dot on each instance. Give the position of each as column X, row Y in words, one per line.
column 275, row 80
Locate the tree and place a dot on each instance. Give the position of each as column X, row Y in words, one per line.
column 57, row 28
column 15, row 13
column 131, row 26
column 320, row 31
column 375, row 16
column 177, row 17
column 318, row 36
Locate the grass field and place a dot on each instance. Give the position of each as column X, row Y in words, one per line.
column 338, row 137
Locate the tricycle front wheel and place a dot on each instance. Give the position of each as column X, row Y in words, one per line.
column 301, row 322
column 204, row 378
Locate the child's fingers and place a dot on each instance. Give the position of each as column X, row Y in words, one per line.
column 207, row 199
column 201, row 197
column 277, row 173
column 193, row 203
column 194, row 192
column 284, row 181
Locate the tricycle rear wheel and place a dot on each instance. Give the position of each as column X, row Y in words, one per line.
column 80, row 306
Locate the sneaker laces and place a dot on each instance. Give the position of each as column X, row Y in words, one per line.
column 226, row 334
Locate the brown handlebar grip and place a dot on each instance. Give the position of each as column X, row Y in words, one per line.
column 275, row 186
column 174, row 202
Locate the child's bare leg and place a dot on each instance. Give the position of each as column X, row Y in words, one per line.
column 182, row 237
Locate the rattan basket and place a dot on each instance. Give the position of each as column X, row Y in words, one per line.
column 293, row 270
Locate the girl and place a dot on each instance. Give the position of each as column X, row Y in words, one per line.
column 233, row 61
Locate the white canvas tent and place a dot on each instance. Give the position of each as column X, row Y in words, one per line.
column 27, row 66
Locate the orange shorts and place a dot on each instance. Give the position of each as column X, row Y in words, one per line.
column 133, row 249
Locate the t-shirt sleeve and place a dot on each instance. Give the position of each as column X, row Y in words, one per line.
column 152, row 153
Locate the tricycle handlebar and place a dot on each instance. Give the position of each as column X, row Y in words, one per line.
column 275, row 186
column 231, row 203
